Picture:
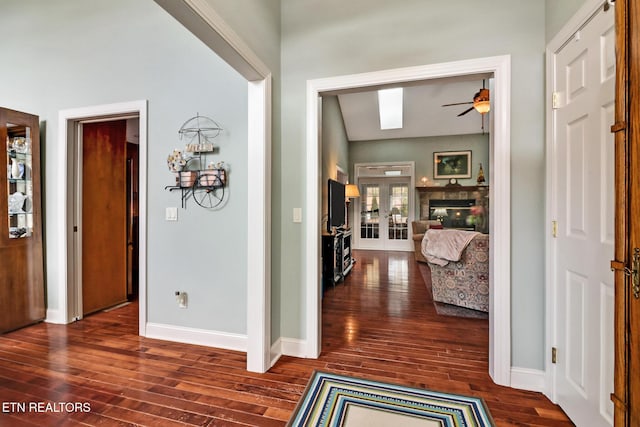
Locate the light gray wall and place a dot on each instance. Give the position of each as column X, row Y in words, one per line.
column 557, row 14
column 420, row 150
column 331, row 38
column 257, row 22
column 335, row 146
column 78, row 53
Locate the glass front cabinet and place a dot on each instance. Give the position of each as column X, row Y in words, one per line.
column 21, row 253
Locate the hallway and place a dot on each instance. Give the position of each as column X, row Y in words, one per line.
column 379, row 324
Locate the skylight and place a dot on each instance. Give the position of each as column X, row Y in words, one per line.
column 390, row 106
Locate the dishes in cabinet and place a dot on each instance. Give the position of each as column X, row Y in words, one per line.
column 21, row 145
column 16, row 202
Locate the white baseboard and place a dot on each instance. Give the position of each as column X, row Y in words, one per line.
column 294, row 347
column 288, row 347
column 55, row 316
column 204, row 337
column 528, row 379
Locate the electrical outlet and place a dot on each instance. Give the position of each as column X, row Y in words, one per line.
column 181, row 299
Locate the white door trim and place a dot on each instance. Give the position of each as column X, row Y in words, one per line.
column 580, row 19
column 500, row 197
column 259, row 227
column 67, row 120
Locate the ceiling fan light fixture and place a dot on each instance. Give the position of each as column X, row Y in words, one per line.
column 482, row 107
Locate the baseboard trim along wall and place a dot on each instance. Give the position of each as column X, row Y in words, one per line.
column 528, row 379
column 204, row 337
column 55, row 316
column 288, row 347
column 521, row 378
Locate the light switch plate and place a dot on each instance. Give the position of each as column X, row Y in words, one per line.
column 171, row 214
column 297, row 215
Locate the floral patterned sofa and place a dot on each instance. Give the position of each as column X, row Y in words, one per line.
column 464, row 283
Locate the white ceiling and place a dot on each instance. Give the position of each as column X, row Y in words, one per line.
column 423, row 111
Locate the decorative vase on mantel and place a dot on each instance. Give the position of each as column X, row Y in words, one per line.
column 480, row 179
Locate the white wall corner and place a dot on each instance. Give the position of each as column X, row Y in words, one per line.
column 55, row 316
column 226, row 340
column 294, row 347
column 276, row 352
column 528, row 379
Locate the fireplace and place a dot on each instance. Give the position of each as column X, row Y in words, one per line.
column 453, row 213
column 460, row 207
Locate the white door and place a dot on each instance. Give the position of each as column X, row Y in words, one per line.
column 584, row 82
column 385, row 214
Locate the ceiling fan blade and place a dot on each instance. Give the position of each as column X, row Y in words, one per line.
column 465, row 112
column 457, row 103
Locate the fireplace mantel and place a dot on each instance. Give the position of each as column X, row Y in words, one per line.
column 449, row 188
column 479, row 193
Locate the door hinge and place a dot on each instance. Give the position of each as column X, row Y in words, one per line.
column 554, row 228
column 618, row 126
column 554, row 355
column 607, row 5
column 555, row 100
column 75, row 228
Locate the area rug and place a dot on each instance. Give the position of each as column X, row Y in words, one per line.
column 337, row 400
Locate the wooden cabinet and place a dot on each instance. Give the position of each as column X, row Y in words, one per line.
column 337, row 261
column 21, row 253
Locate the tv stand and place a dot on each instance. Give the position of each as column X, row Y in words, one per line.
column 337, row 261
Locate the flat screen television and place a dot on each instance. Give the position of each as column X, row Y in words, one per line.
column 336, row 205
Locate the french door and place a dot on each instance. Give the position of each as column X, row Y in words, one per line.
column 386, row 212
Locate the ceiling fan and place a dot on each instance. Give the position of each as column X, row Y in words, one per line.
column 480, row 102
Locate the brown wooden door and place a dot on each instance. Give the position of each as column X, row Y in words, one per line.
column 104, row 215
column 627, row 135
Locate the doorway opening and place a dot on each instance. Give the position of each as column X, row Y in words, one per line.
column 105, row 195
column 105, row 212
column 500, row 199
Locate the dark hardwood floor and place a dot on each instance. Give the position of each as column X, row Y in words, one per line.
column 379, row 324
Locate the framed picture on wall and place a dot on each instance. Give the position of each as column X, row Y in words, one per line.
column 452, row 164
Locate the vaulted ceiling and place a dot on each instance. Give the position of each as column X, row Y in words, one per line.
column 424, row 114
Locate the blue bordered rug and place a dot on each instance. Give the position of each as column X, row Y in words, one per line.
column 336, row 400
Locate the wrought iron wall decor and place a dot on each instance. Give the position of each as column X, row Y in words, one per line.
column 197, row 176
